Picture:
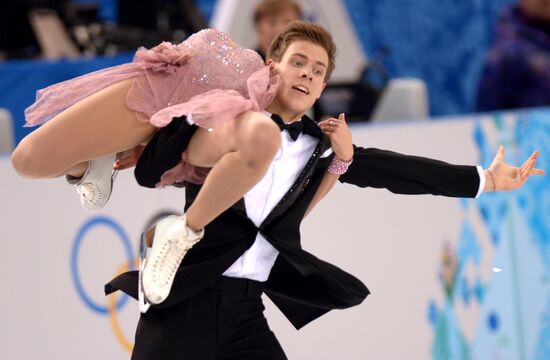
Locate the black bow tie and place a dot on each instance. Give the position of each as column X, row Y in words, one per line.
column 294, row 129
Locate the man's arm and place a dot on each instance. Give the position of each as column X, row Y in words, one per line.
column 339, row 134
column 163, row 151
column 406, row 174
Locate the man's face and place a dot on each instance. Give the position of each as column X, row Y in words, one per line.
column 270, row 25
column 302, row 70
column 536, row 9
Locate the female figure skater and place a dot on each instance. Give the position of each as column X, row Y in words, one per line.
column 91, row 118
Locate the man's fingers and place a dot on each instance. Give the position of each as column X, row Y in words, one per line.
column 525, row 170
column 530, row 169
column 497, row 159
column 525, row 164
column 533, row 156
column 531, row 159
column 500, row 153
column 342, row 117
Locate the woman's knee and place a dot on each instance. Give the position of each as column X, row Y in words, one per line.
column 261, row 137
column 23, row 159
column 35, row 160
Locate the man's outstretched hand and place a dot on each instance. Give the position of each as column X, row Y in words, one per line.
column 503, row 177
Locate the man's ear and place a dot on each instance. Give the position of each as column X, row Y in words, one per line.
column 271, row 63
column 324, row 86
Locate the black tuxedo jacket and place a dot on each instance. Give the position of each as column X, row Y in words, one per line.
column 302, row 286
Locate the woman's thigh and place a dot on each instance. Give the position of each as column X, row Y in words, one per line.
column 98, row 125
column 251, row 133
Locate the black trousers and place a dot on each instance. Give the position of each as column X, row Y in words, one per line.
column 224, row 321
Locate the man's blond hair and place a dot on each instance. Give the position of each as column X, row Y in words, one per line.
column 303, row 30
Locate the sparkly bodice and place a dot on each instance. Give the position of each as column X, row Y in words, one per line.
column 219, row 63
column 208, row 75
column 167, row 75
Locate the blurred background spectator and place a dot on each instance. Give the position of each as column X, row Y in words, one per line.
column 17, row 39
column 62, row 28
column 517, row 69
column 270, row 17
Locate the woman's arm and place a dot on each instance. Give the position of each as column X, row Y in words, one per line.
column 339, row 134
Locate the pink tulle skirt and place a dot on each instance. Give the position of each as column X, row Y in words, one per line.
column 207, row 76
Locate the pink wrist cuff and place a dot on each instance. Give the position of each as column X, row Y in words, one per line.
column 338, row 167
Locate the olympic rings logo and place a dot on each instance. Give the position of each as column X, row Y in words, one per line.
column 113, row 305
column 97, row 221
column 115, row 302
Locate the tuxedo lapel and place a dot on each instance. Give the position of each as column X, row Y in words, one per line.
column 301, row 181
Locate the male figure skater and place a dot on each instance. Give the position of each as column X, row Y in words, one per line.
column 214, row 310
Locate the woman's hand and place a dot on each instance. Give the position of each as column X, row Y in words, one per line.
column 340, row 138
column 128, row 158
column 339, row 134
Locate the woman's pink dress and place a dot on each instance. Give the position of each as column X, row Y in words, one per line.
column 207, row 76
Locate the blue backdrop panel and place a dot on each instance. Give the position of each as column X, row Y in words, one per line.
column 441, row 42
column 19, row 81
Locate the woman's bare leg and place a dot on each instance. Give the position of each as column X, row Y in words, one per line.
column 242, row 152
column 98, row 125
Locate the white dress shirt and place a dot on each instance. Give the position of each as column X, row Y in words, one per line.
column 481, row 180
column 256, row 262
column 290, row 160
